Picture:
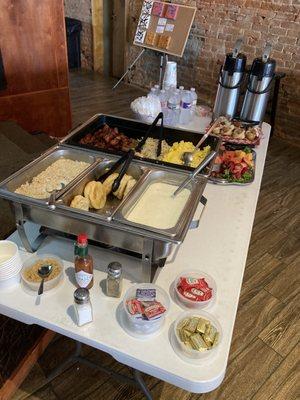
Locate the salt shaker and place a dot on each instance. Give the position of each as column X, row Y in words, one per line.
column 114, row 279
column 83, row 306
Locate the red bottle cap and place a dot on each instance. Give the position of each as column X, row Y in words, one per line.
column 82, row 238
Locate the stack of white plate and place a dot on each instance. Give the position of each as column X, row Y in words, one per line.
column 10, row 264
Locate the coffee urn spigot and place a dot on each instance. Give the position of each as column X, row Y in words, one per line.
column 230, row 80
column 259, row 86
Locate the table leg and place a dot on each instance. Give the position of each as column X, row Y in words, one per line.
column 137, row 379
column 142, row 385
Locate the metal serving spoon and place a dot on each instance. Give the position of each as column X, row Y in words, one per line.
column 44, row 271
column 188, row 156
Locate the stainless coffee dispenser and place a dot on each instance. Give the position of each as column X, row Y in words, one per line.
column 260, row 80
column 230, row 80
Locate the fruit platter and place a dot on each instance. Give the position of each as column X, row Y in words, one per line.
column 237, row 132
column 234, row 166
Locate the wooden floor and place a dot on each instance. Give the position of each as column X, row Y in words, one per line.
column 264, row 356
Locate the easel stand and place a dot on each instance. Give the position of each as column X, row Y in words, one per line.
column 163, row 63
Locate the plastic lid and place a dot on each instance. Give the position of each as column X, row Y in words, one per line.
column 193, row 89
column 82, row 238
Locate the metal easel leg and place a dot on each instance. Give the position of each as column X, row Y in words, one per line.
column 142, row 385
column 129, row 69
column 163, row 63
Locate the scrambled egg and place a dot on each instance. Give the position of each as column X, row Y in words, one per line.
column 175, row 153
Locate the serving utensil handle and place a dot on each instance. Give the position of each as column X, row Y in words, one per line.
column 123, row 171
column 205, row 136
column 41, row 288
column 200, row 167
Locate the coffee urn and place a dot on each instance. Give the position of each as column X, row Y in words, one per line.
column 230, row 80
column 259, row 86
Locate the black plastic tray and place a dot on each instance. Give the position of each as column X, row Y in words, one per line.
column 136, row 130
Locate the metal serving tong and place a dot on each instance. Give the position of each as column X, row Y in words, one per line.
column 192, row 175
column 127, row 158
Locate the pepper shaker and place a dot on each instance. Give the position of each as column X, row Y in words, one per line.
column 83, row 306
column 114, row 279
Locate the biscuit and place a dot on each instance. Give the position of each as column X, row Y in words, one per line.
column 97, row 196
column 80, row 202
column 130, row 184
column 109, row 182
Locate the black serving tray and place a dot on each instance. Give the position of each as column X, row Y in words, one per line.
column 136, row 130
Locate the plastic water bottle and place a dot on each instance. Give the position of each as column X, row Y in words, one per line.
column 173, row 105
column 157, row 89
column 185, row 107
column 181, row 90
column 163, row 97
column 152, row 92
column 194, row 103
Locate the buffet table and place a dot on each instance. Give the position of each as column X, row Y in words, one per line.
column 219, row 247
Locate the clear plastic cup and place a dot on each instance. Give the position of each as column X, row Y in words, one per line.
column 142, row 326
column 197, row 275
column 190, row 354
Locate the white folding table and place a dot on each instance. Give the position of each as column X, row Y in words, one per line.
column 219, row 247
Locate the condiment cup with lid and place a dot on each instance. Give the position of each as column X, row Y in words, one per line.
column 188, row 303
column 143, row 326
column 186, row 352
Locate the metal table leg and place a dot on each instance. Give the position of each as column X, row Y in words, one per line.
column 138, row 377
column 136, row 381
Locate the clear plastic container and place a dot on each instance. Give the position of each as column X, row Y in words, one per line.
column 51, row 283
column 142, row 326
column 197, row 275
column 190, row 354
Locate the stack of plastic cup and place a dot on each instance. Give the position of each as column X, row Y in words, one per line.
column 170, row 77
column 10, row 264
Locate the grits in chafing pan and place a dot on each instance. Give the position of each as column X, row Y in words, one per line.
column 58, row 174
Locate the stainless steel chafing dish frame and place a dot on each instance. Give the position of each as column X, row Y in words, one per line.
column 151, row 163
column 153, row 246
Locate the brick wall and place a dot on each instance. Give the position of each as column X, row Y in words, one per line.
column 217, row 25
column 82, row 10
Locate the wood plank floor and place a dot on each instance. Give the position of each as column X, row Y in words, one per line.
column 264, row 357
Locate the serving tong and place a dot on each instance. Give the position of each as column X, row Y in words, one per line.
column 192, row 175
column 128, row 157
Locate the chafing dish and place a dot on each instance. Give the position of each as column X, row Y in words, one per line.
column 109, row 226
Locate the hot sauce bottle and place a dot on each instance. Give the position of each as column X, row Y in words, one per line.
column 83, row 263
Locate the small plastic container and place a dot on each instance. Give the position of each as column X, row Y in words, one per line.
column 187, row 303
column 49, row 284
column 192, row 355
column 142, row 326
